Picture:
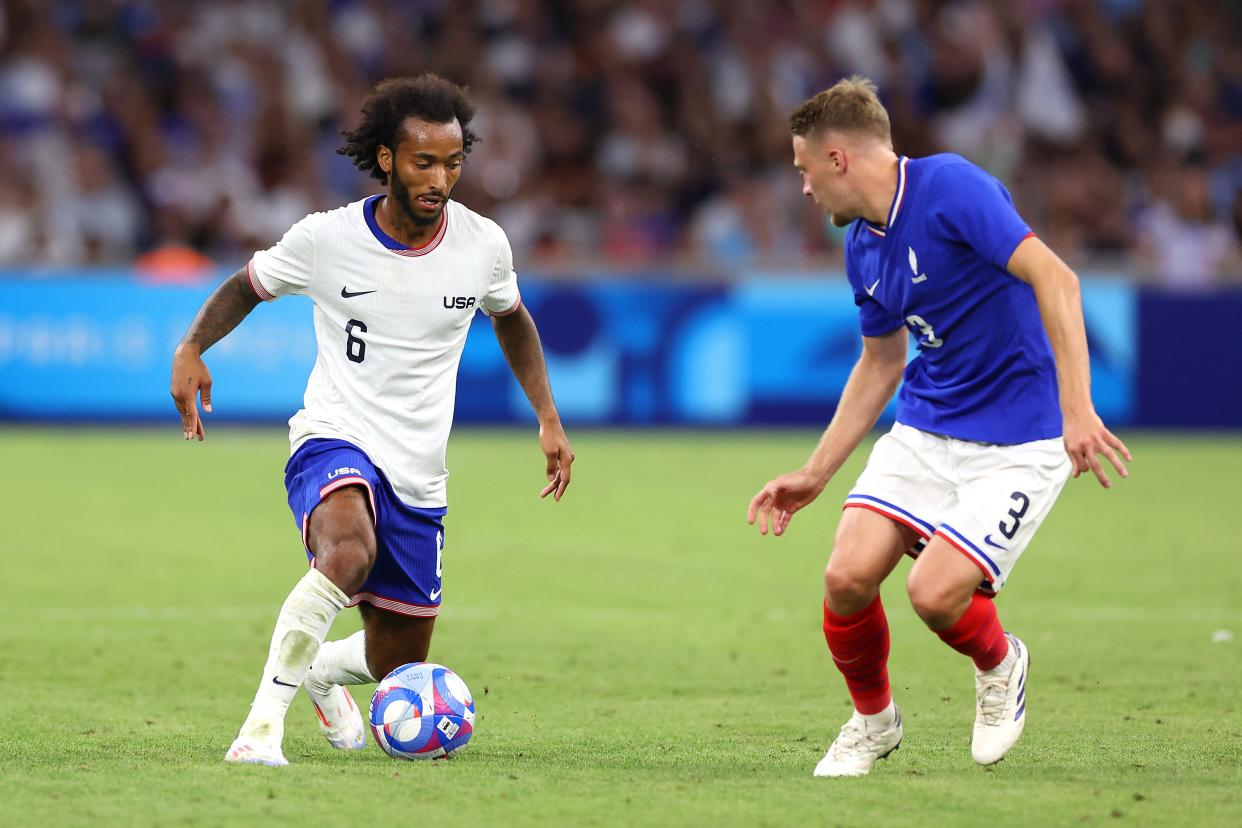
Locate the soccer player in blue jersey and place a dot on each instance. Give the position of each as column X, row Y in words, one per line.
column 994, row 415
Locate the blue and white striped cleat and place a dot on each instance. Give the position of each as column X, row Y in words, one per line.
column 1000, row 712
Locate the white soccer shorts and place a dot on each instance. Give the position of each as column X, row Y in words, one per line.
column 986, row 500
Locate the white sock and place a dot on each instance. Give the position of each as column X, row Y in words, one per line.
column 882, row 720
column 340, row 662
column 304, row 620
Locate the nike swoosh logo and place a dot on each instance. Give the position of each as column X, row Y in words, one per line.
column 276, row 680
column 988, row 540
column 347, row 294
column 436, row 594
column 871, row 290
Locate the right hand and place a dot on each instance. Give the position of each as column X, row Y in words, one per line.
column 781, row 498
column 1085, row 437
column 190, row 377
column 559, row 456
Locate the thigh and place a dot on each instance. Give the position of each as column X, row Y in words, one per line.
column 407, row 578
column 1004, row 495
column 905, row 481
column 394, row 639
column 332, row 489
column 343, row 517
column 867, row 547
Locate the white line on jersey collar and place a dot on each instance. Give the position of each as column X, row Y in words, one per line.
column 901, row 190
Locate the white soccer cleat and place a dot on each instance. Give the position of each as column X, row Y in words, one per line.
column 250, row 751
column 340, row 721
column 1000, row 712
column 857, row 748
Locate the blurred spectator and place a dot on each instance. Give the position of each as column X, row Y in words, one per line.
column 1187, row 245
column 173, row 257
column 21, row 225
column 101, row 218
column 615, row 132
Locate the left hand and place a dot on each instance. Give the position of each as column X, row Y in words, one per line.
column 560, row 457
column 1086, row 437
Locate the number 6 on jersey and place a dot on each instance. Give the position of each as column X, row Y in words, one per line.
column 355, row 348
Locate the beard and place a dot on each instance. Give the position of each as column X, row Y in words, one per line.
column 401, row 194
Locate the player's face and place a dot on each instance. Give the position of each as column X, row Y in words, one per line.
column 823, row 177
column 424, row 168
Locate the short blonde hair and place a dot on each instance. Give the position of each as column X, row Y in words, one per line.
column 849, row 105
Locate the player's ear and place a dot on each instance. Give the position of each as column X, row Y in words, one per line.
column 383, row 156
column 837, row 157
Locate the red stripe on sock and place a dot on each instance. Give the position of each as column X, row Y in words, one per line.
column 859, row 645
column 978, row 634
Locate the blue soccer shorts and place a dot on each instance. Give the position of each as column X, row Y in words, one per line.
column 409, row 542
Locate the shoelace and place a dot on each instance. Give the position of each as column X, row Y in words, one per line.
column 851, row 736
column 992, row 700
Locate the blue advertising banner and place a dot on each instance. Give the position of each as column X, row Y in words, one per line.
column 101, row 348
column 1190, row 365
column 768, row 350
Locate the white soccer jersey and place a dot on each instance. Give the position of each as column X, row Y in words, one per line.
column 390, row 323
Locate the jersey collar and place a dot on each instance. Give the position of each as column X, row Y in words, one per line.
column 368, row 212
column 898, row 198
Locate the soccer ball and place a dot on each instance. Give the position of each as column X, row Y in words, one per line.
column 422, row 711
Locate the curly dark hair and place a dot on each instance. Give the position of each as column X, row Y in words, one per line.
column 427, row 96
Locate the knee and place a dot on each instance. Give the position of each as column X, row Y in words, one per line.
column 846, row 589
column 938, row 604
column 346, row 560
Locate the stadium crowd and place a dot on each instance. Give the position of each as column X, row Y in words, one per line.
column 623, row 133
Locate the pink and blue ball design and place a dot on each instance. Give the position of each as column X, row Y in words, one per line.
column 422, row 711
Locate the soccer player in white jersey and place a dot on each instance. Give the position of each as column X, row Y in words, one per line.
column 395, row 280
column 993, row 416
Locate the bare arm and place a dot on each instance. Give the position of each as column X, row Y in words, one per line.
column 519, row 340
column 1060, row 308
column 871, row 385
column 221, row 313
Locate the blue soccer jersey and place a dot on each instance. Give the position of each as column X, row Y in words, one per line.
column 984, row 371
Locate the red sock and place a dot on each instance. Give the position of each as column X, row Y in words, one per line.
column 978, row 634
column 859, row 646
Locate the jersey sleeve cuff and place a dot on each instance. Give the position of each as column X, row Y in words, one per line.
column 881, row 328
column 1004, row 252
column 517, row 303
column 256, row 284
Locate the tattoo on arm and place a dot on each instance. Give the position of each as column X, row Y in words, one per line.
column 223, row 311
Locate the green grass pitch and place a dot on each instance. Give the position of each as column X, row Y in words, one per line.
column 639, row 655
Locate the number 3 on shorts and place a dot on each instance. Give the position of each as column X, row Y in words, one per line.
column 1016, row 514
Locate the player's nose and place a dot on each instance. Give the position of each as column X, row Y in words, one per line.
column 437, row 178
